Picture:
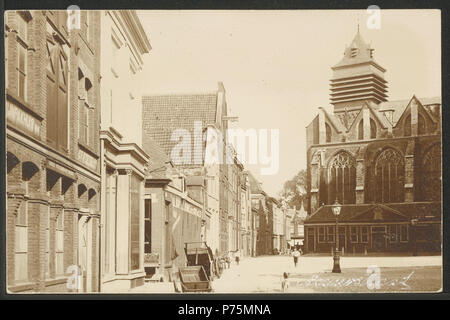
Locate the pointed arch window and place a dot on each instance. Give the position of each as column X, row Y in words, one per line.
column 407, row 126
column 421, row 126
column 431, row 174
column 342, row 178
column 373, row 129
column 360, row 130
column 389, row 176
column 327, row 133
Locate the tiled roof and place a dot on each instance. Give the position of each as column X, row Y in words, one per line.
column 159, row 160
column 163, row 114
column 399, row 106
column 368, row 212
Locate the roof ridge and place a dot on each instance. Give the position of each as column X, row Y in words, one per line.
column 180, row 94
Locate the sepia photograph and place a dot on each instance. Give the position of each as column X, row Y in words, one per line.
column 223, row 151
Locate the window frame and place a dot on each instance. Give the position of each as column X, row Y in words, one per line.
column 59, row 247
column 406, row 226
column 321, row 234
column 356, row 233
column 58, row 136
column 331, row 234
column 362, row 234
column 21, row 248
column 22, row 44
column 395, row 239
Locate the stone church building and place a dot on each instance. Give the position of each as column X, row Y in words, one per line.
column 380, row 159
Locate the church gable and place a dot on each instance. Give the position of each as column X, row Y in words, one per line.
column 377, row 125
column 425, row 122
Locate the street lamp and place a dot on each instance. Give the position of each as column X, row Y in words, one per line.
column 336, row 211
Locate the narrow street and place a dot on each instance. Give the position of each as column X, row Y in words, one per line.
column 313, row 274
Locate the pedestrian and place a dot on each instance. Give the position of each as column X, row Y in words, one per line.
column 228, row 261
column 237, row 257
column 296, row 254
column 285, row 282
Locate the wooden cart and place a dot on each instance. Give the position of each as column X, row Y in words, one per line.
column 199, row 254
column 194, row 279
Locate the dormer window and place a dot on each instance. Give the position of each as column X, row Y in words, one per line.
column 354, row 52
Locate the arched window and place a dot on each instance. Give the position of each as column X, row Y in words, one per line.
column 431, row 174
column 373, row 129
column 327, row 133
column 407, row 126
column 360, row 130
column 389, row 176
column 421, row 127
column 342, row 178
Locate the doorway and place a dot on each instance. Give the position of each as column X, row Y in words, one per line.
column 379, row 239
column 85, row 253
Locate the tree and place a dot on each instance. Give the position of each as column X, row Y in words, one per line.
column 294, row 191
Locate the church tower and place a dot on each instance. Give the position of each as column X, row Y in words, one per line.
column 357, row 78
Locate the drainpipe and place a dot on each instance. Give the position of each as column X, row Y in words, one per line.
column 102, row 213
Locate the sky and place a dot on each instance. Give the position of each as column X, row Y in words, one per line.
column 276, row 65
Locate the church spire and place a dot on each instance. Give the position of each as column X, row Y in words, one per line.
column 357, row 77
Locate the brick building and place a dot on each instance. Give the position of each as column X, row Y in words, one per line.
column 380, row 159
column 245, row 215
column 52, row 146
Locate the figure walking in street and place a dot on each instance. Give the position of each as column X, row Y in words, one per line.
column 296, row 254
column 237, row 257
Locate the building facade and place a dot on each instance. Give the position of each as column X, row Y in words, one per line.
column 52, row 144
column 123, row 161
column 200, row 117
column 245, row 215
column 380, row 159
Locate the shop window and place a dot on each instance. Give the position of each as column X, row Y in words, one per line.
column 59, row 245
column 342, row 178
column 134, row 221
column 353, row 234
column 364, row 234
column 393, row 233
column 330, row 234
column 389, row 176
column 404, row 236
column 321, row 234
column 21, row 244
